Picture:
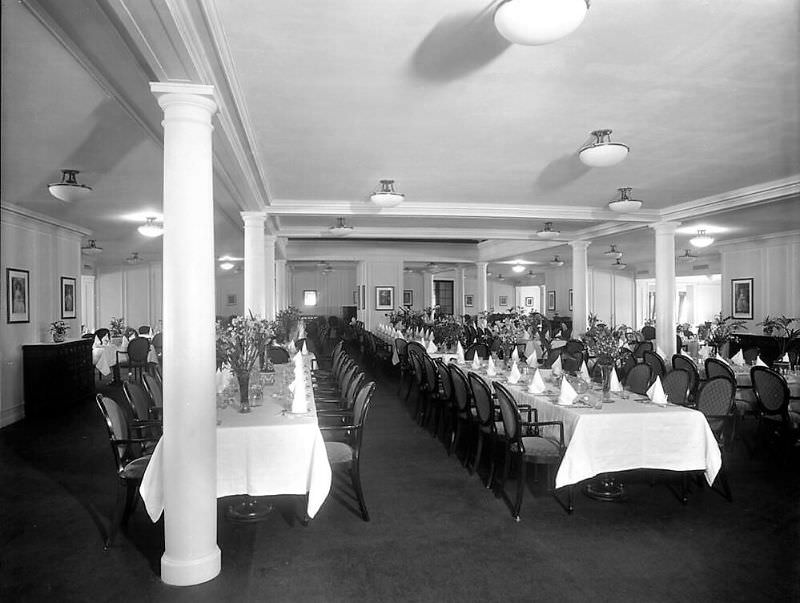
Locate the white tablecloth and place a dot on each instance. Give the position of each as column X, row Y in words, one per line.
column 263, row 453
column 627, row 434
column 104, row 357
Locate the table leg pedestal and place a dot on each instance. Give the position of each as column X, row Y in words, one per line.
column 249, row 509
column 605, row 487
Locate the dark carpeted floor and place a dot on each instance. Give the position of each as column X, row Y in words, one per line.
column 436, row 533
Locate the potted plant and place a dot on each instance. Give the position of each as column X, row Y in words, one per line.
column 116, row 327
column 719, row 332
column 240, row 342
column 447, row 331
column 779, row 328
column 58, row 329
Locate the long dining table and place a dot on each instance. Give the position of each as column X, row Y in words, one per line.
column 625, row 433
column 268, row 451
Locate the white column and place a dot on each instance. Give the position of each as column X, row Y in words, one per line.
column 482, row 301
column 255, row 291
column 281, row 294
column 189, row 443
column 427, row 289
column 665, row 286
column 580, row 289
column 460, row 288
column 269, row 276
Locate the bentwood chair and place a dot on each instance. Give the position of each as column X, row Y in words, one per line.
column 676, row 386
column 441, row 399
column 129, row 459
column 400, row 346
column 144, row 330
column 649, row 333
column 488, row 423
column 481, row 349
column 153, row 389
column 639, row 379
column 626, row 362
column 716, row 401
column 135, row 358
column 655, row 362
column 685, row 363
column 750, row 354
column 141, row 408
column 528, row 442
column 776, row 421
column 157, row 344
column 465, row 415
column 640, row 348
column 346, row 455
column 429, row 387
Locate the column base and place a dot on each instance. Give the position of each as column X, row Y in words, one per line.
column 179, row 572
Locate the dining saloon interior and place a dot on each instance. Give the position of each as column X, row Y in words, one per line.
column 400, row 300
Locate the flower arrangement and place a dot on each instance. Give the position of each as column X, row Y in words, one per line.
column 447, row 330
column 285, row 324
column 779, row 327
column 408, row 318
column 58, row 329
column 240, row 342
column 718, row 332
column 116, row 326
column 603, row 343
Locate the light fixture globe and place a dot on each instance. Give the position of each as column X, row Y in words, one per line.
column 150, row 228
column 91, row 248
column 687, row 257
column 701, row 240
column 536, row 22
column 624, row 203
column 547, row 232
column 69, row 189
column 133, row 258
column 602, row 152
column 340, row 229
column 518, row 268
column 613, row 252
column 556, row 261
column 226, row 265
column 386, row 196
column 619, row 264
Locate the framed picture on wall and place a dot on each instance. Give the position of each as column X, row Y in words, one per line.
column 742, row 298
column 408, row 297
column 310, row 297
column 551, row 300
column 384, row 298
column 18, row 295
column 230, row 299
column 68, row 297
column 503, row 300
column 528, row 302
column 570, row 299
column 468, row 300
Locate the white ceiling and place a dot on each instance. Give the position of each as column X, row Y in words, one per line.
column 319, row 100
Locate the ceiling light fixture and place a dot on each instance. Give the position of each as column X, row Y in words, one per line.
column 518, row 268
column 556, row 261
column 133, row 258
column 624, row 203
column 687, row 257
column 500, row 277
column 547, row 232
column 613, row 252
column 69, row 189
column 91, row 248
column 340, row 229
column 386, row 196
column 701, row 240
column 619, row 265
column 226, row 265
column 432, row 266
column 150, row 228
column 602, row 152
column 535, row 22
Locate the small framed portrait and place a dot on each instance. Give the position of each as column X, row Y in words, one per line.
column 551, row 300
column 408, row 297
column 384, row 298
column 503, row 300
column 528, row 302
column 68, row 297
column 230, row 299
column 468, row 301
column 18, row 294
column 570, row 299
column 742, row 298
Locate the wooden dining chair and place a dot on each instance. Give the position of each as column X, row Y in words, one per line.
column 715, row 400
column 776, row 422
column 676, row 386
column 135, row 357
column 655, row 362
column 639, row 379
column 153, row 389
column 685, row 363
column 465, row 416
column 488, row 424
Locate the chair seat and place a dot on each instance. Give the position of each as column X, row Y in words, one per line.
column 540, row 447
column 338, row 452
column 136, row 468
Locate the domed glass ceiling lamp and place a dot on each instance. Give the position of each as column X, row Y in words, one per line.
column 687, row 257
column 602, row 152
column 619, row 264
column 150, row 228
column 701, row 240
column 547, row 232
column 624, row 203
column 613, row 252
column 69, row 189
column 556, row 261
column 91, row 248
column 518, row 268
column 386, row 196
column 340, row 229
column 536, row 22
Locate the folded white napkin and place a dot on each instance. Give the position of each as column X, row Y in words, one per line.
column 515, row 354
column 299, row 396
column 585, row 373
column 785, row 357
column 223, row 377
column 124, row 346
column 304, row 351
column 536, row 386
column 514, row 375
column 556, row 368
column 298, row 361
column 533, row 360
column 656, row 393
column 421, row 341
column 491, row 370
column 567, row 394
column 97, row 343
column 431, row 348
column 459, row 353
column 615, row 385
column 476, row 361
column 760, row 362
column 291, row 348
column 721, row 359
column 738, row 359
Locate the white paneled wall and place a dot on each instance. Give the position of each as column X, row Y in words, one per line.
column 230, row 294
column 334, row 290
column 134, row 293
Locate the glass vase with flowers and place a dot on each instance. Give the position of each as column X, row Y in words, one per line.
column 240, row 342
column 58, row 329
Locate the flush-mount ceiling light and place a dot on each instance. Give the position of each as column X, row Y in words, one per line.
column 386, row 196
column 619, row 265
column 150, row 228
column 500, row 277
column 91, row 248
column 701, row 240
column 602, row 152
column 69, row 189
column 518, row 268
column 340, row 229
column 547, row 232
column 687, row 257
column 133, row 258
column 613, row 252
column 535, row 22
column 556, row 261
column 226, row 265
column 432, row 266
column 624, row 203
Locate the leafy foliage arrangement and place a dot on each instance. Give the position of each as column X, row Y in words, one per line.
column 240, row 341
column 116, row 326
column 719, row 331
column 286, row 321
column 447, row 330
column 780, row 328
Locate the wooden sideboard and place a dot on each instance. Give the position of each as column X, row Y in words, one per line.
column 57, row 376
column 769, row 347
